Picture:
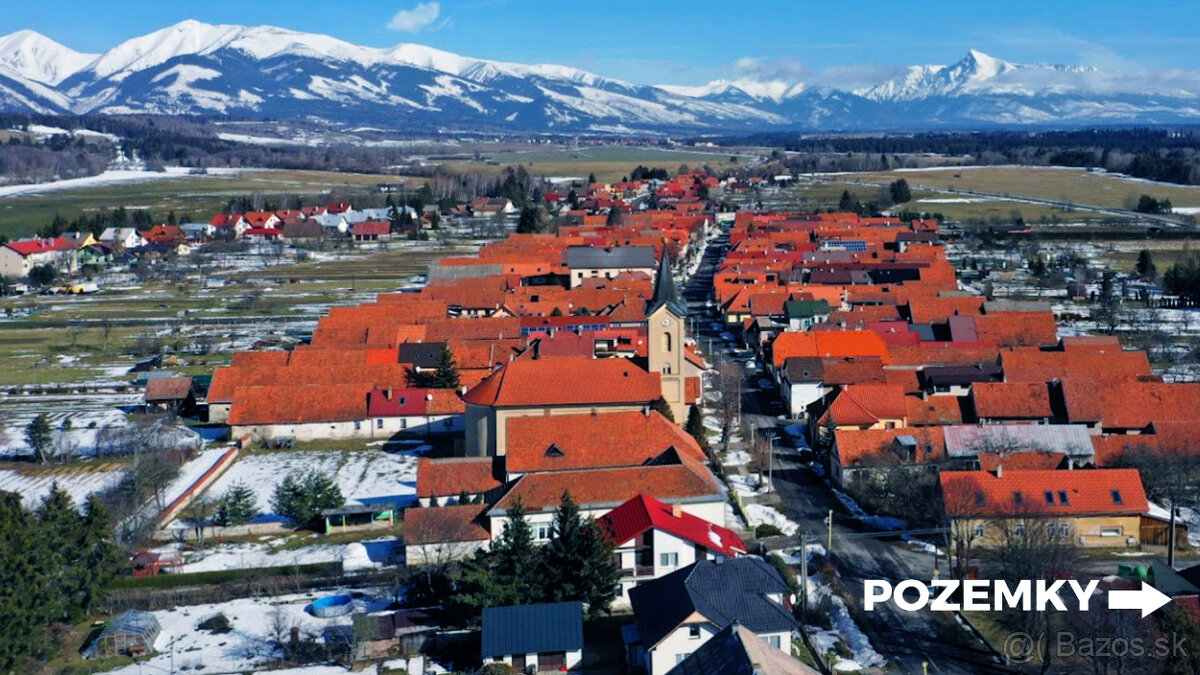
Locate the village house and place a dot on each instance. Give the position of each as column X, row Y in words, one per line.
column 593, row 262
column 1090, row 508
column 17, row 258
column 738, row 651
column 371, row 230
column 121, row 238
column 652, row 539
column 678, row 613
column 544, row 637
column 549, row 386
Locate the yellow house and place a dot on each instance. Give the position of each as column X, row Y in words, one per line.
column 1088, row 508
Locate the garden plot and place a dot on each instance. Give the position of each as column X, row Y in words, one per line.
column 252, row 555
column 249, row 645
column 369, row 476
column 79, row 482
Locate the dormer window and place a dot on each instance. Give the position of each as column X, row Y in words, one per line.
column 1062, row 498
column 1116, row 496
column 554, row 451
column 1049, row 498
column 1018, row 499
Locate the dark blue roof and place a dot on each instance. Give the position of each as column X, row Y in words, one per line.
column 532, row 629
column 723, row 591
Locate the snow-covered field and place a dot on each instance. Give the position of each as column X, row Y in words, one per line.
column 260, row 554
column 760, row 514
column 109, row 178
column 78, row 482
column 363, row 475
column 249, row 646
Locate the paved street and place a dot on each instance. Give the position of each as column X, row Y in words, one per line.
column 906, row 639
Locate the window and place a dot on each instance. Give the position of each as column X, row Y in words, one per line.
column 1019, row 529
column 1116, row 495
column 403, row 423
column 666, row 342
column 1062, row 498
column 978, row 532
column 1051, row 530
column 680, row 657
column 541, row 531
column 1110, row 531
column 1018, row 499
column 773, row 640
column 979, row 499
column 1064, row 529
column 379, row 423
column 694, row 632
column 668, row 559
column 357, row 425
column 1049, row 498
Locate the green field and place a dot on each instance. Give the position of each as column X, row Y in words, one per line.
column 609, row 163
column 190, row 197
column 1067, row 185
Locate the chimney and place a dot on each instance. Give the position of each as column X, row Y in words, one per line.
column 676, row 510
column 387, row 393
column 646, row 410
column 999, row 471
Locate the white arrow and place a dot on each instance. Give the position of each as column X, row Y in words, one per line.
column 1147, row 599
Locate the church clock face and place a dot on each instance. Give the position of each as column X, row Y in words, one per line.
column 666, row 322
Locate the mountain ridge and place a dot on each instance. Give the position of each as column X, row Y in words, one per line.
column 264, row 71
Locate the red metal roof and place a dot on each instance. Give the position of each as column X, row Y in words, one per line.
column 643, row 513
column 29, row 247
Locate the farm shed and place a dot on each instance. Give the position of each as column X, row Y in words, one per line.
column 132, row 632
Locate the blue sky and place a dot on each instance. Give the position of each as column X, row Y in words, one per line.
column 687, row 42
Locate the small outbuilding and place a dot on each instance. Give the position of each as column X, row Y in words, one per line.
column 542, row 638
column 174, row 394
column 131, row 633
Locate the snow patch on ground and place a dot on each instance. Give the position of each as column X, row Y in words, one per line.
column 368, row 476
column 79, row 483
column 107, row 178
column 761, row 514
column 884, row 523
column 260, row 554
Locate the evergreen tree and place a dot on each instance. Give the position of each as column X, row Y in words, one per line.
column 660, row 404
column 29, row 594
column 60, row 527
column 578, row 563
column 238, row 505
column 301, row 497
column 1145, row 265
column 557, row 311
column 529, row 221
column 591, row 177
column 39, row 435
column 695, row 426
column 573, row 199
column 846, row 203
column 100, row 560
column 900, row 192
column 614, row 216
column 446, row 375
column 505, row 574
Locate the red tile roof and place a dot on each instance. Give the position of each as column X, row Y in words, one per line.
column 450, row 476
column 865, row 404
column 643, row 513
column 1011, row 400
column 933, row 410
column 292, row 404
column 593, row 488
column 444, row 524
column 1131, row 405
column 562, row 442
column 565, row 381
column 371, row 228
column 1087, row 492
column 834, row 343
column 857, row 447
column 168, row 388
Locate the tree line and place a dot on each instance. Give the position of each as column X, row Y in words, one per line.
column 54, row 565
column 1166, row 155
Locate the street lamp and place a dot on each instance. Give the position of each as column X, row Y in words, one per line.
column 771, row 436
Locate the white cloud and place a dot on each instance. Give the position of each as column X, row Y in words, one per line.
column 416, row 19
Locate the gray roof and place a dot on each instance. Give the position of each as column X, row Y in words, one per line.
column 664, row 290
column 965, row 440
column 801, row 309
column 723, row 591
column 736, row 650
column 422, row 354
column 615, row 257
column 532, row 629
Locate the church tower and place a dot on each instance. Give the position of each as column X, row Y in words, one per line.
column 665, row 316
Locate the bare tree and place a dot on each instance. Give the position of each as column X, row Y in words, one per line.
column 729, row 388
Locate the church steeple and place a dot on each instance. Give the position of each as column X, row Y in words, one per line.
column 664, row 289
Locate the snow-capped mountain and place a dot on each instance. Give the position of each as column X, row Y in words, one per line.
column 979, row 74
column 264, row 71
column 36, row 57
